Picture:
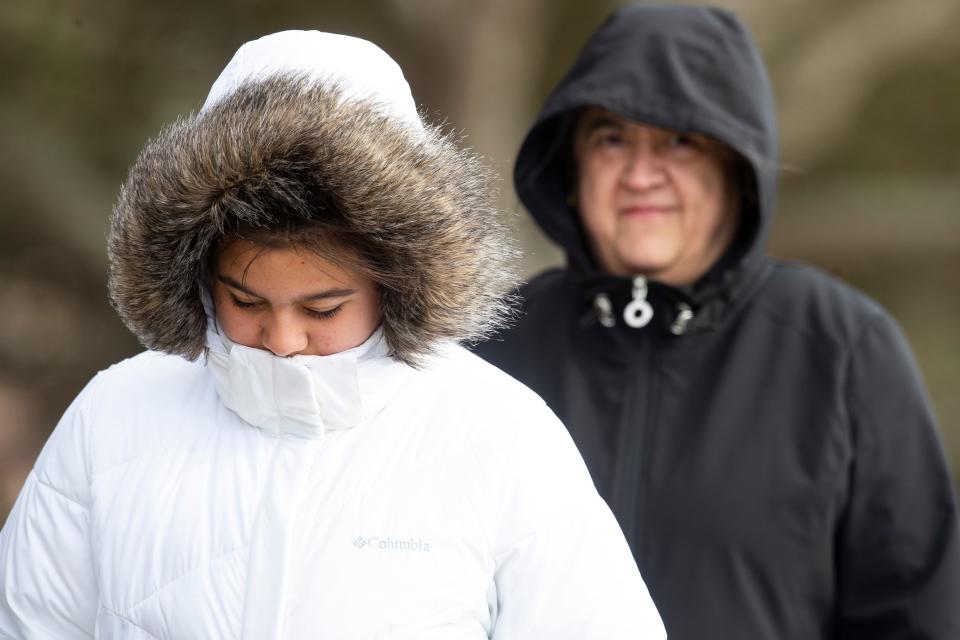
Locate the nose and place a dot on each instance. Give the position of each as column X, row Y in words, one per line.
column 283, row 336
column 645, row 169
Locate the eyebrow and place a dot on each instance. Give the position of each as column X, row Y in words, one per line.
column 599, row 121
column 320, row 295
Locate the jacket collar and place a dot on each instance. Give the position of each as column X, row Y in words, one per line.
column 304, row 396
column 606, row 299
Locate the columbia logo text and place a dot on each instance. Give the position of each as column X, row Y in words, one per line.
column 378, row 543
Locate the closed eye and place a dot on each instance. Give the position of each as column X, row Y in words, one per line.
column 242, row 304
column 324, row 314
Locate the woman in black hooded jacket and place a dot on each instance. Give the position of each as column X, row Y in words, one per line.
column 760, row 430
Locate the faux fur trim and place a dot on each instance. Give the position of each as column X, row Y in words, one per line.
column 282, row 147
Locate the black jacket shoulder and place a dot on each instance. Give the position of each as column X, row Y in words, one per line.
column 805, row 299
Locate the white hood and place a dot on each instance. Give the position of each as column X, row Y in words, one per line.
column 361, row 69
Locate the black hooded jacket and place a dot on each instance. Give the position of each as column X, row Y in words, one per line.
column 765, row 441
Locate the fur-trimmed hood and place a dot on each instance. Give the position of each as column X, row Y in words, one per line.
column 288, row 145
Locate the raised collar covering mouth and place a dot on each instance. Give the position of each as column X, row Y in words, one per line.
column 304, row 396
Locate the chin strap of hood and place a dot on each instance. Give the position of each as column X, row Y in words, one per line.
column 303, row 396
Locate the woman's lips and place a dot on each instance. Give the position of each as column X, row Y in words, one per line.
column 645, row 210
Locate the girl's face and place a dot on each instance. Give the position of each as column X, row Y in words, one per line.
column 291, row 301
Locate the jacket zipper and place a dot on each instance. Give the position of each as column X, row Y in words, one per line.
column 637, row 421
column 638, row 313
column 628, row 492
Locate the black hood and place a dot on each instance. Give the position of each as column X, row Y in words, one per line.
column 694, row 69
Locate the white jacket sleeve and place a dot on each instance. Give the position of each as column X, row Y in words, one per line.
column 48, row 588
column 564, row 569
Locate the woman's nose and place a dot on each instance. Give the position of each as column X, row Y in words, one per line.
column 645, row 170
column 283, row 337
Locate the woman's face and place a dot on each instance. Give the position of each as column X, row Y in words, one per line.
column 291, row 301
column 653, row 201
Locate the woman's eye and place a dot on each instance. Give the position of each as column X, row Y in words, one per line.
column 610, row 139
column 683, row 146
column 323, row 314
column 682, row 140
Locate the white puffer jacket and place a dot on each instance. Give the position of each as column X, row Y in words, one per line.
column 458, row 508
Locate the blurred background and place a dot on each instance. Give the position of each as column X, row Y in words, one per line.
column 869, row 104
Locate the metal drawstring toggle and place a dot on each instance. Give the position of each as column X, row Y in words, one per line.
column 684, row 316
column 604, row 309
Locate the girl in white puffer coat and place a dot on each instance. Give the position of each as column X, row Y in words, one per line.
column 305, row 451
